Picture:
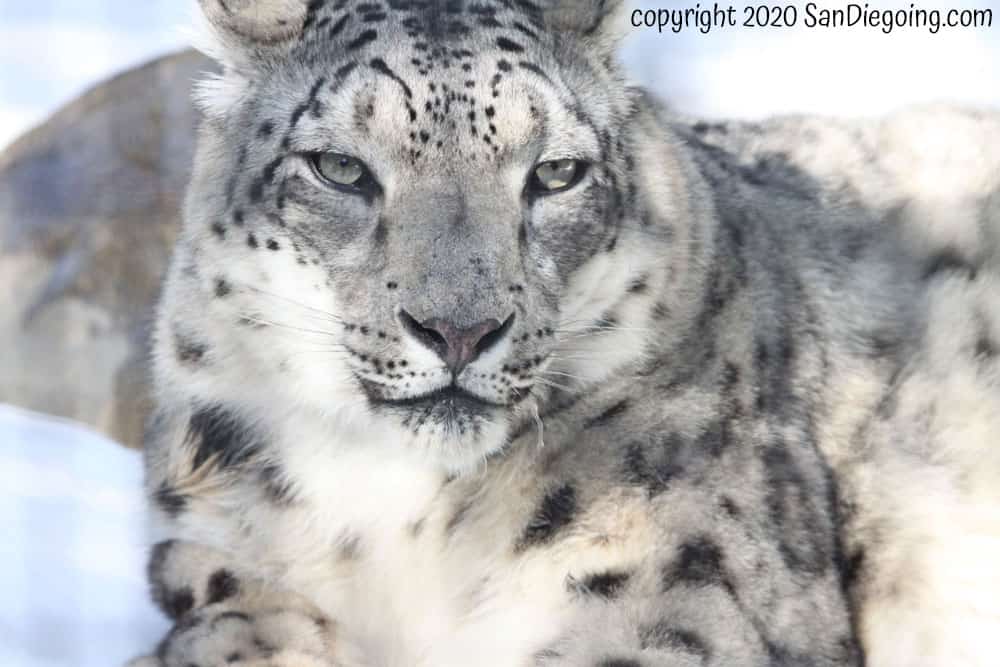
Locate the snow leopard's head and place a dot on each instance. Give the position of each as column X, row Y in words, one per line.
column 411, row 216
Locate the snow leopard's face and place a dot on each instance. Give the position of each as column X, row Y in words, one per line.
column 402, row 211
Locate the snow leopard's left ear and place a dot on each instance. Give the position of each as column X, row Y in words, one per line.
column 601, row 23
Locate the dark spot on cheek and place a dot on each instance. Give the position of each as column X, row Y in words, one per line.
column 189, row 352
column 219, row 229
column 222, row 288
column 273, row 245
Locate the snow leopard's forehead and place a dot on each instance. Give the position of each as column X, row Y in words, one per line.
column 408, row 80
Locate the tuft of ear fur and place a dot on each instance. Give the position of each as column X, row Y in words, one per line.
column 256, row 22
column 600, row 22
column 239, row 35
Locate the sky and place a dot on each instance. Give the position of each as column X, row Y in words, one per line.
column 51, row 50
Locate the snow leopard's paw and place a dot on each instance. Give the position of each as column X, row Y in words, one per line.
column 225, row 618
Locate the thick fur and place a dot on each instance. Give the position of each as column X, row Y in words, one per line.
column 743, row 412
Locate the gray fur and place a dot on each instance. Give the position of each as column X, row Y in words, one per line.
column 717, row 357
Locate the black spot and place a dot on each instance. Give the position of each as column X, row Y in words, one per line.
column 222, row 288
column 252, row 240
column 795, row 519
column 174, row 602
column 169, row 500
column 536, row 70
column 639, row 286
column 222, row 585
column 555, row 512
column 349, row 547
column 656, row 477
column 607, row 585
column 851, row 569
column 189, row 351
column 379, row 66
column 217, row 435
column 949, row 261
column 775, row 364
column 310, row 103
column 986, row 348
column 273, row 245
column 663, row 636
column 277, row 486
column 219, row 229
column 699, row 563
column 612, row 413
column 367, row 37
column 730, row 508
column 619, row 662
column 508, row 45
column 177, row 602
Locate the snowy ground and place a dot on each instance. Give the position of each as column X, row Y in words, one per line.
column 72, row 548
column 71, row 537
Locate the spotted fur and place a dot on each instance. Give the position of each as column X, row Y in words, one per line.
column 734, row 406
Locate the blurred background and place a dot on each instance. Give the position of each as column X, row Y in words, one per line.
column 91, row 175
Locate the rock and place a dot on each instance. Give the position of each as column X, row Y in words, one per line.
column 89, row 209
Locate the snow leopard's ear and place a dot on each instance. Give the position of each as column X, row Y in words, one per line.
column 600, row 23
column 243, row 36
column 255, row 23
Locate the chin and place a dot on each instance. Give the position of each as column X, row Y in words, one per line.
column 453, row 431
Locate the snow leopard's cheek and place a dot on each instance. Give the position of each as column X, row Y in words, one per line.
column 571, row 228
column 337, row 229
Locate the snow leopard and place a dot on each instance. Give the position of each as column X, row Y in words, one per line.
column 472, row 352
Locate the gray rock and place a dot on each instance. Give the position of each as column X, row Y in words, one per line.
column 89, row 208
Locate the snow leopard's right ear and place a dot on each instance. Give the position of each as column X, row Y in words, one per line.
column 255, row 23
column 243, row 36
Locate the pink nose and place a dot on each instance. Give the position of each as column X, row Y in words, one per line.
column 457, row 346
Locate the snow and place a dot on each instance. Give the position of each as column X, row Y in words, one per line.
column 72, row 547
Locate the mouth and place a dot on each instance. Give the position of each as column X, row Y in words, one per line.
column 451, row 400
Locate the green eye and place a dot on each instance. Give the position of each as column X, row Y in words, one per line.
column 340, row 169
column 557, row 175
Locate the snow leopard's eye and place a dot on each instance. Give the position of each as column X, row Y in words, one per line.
column 342, row 171
column 556, row 176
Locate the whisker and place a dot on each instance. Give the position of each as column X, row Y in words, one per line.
column 290, row 327
column 325, row 314
column 553, row 384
